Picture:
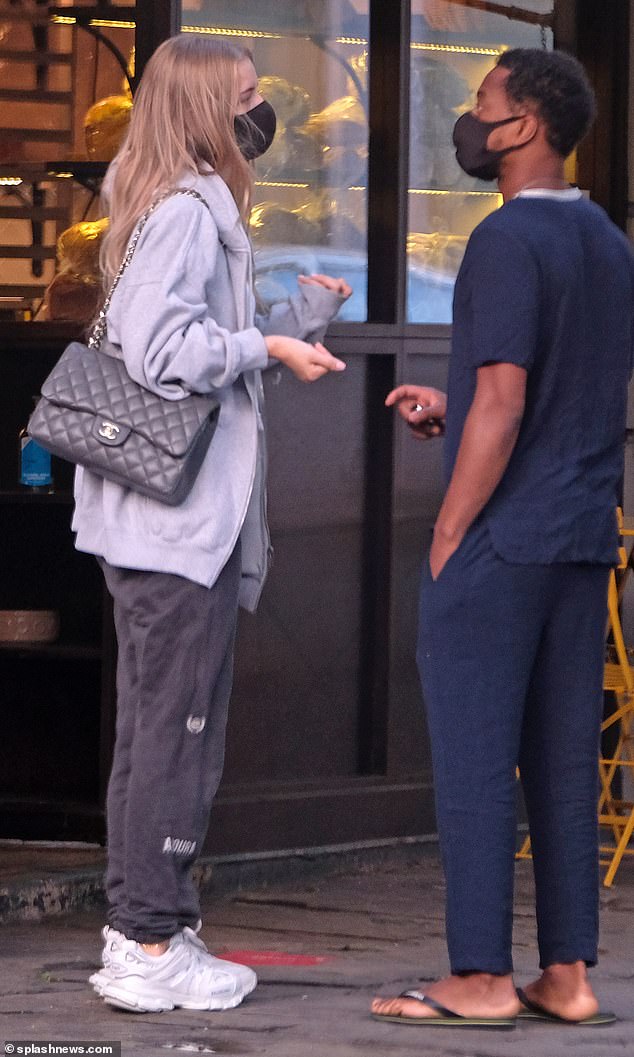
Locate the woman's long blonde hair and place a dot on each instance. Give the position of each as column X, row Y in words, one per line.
column 182, row 119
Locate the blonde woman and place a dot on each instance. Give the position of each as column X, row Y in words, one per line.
column 183, row 319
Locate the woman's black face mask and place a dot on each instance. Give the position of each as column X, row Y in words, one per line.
column 470, row 137
column 255, row 130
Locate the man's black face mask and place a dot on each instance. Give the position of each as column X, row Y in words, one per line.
column 470, row 137
column 255, row 130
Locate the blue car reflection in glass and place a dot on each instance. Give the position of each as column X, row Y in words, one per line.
column 429, row 292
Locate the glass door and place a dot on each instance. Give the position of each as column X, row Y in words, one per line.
column 454, row 43
column 310, row 206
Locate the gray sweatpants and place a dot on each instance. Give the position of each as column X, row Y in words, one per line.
column 174, row 677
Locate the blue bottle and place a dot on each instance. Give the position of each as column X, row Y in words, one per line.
column 35, row 463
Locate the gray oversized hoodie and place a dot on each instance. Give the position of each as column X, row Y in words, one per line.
column 183, row 319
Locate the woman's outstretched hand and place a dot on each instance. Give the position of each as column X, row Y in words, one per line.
column 423, row 409
column 307, row 362
column 336, row 286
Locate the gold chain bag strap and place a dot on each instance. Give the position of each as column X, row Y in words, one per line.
column 92, row 413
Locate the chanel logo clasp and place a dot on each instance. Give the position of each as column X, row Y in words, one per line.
column 108, row 430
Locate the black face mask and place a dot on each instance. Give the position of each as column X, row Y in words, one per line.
column 255, row 130
column 470, row 140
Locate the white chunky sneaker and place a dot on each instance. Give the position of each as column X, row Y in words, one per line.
column 183, row 976
column 113, row 949
column 245, row 976
column 112, row 941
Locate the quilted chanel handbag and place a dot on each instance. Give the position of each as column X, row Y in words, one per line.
column 91, row 412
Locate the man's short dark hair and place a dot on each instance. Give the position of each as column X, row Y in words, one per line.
column 558, row 85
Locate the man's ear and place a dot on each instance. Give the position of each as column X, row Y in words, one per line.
column 515, row 134
column 526, row 129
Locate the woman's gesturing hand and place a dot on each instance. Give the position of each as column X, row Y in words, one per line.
column 307, row 362
column 423, row 409
column 336, row 286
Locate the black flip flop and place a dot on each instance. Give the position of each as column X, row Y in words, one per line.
column 533, row 1011
column 446, row 1017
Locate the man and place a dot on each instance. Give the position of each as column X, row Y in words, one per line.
column 513, row 605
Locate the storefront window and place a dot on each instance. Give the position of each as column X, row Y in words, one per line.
column 454, row 44
column 310, row 205
column 65, row 85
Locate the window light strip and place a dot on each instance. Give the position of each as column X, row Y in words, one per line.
column 111, row 23
column 15, row 181
column 458, row 49
column 359, row 187
column 434, row 191
column 278, row 183
column 440, row 192
column 256, row 34
column 101, row 23
column 462, row 49
column 218, row 31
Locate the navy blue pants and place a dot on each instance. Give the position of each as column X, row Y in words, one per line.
column 511, row 663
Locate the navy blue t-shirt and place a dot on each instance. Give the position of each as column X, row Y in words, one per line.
column 548, row 284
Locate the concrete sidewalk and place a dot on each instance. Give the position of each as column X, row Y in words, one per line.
column 322, row 948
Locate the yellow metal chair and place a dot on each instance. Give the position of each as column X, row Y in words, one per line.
column 525, row 851
column 618, row 814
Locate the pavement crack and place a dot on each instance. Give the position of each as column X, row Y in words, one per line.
column 318, row 908
column 323, row 936
column 309, row 983
column 296, row 904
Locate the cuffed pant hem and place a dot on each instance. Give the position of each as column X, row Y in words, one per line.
column 568, row 958
column 159, row 935
column 462, row 966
